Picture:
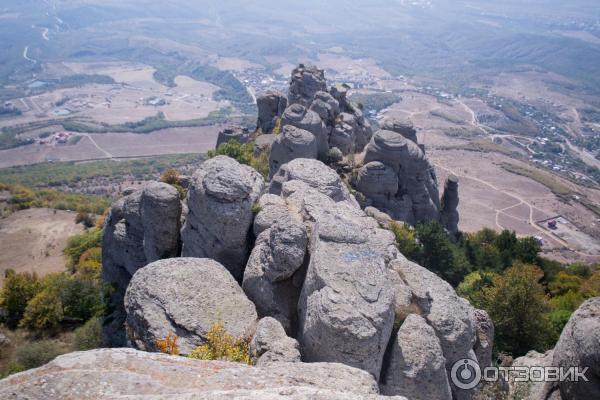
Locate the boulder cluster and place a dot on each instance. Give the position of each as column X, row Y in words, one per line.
column 295, row 265
column 389, row 168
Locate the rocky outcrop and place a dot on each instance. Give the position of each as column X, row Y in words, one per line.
column 127, row 373
column 579, row 346
column 240, row 135
column 270, row 107
column 485, row 338
column 142, row 227
column 305, row 83
column 185, row 297
column 403, row 127
column 449, row 215
column 271, row 344
column 532, row 390
column 272, row 279
column 299, row 116
column 416, row 364
column 313, row 173
column 292, row 143
column 220, row 200
column 345, row 309
column 451, row 317
column 399, row 159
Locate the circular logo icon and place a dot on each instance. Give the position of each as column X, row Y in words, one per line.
column 465, row 374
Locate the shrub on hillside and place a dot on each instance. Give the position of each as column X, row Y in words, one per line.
column 220, row 345
column 37, row 354
column 244, row 154
column 89, row 335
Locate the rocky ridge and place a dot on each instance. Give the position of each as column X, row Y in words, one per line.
column 295, row 264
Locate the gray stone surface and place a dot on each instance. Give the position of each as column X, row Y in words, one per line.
column 271, row 105
column 185, row 297
column 271, row 344
column 237, row 133
column 306, row 81
column 326, row 107
column 140, row 228
column 346, row 308
column 532, row 390
column 292, row 143
column 220, row 201
column 263, row 143
column 277, row 256
column 452, row 317
column 579, row 345
column 401, row 126
column 417, row 198
column 315, row 174
column 449, row 205
column 299, row 116
column 126, row 373
column 484, row 343
column 416, row 366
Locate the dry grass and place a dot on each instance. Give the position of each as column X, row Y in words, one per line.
column 541, row 177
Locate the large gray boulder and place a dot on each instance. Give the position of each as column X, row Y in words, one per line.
column 270, row 107
column 141, row 227
column 378, row 181
column 292, row 143
column 401, row 126
column 416, row 363
column 185, row 297
column 306, row 81
column 579, row 346
column 237, row 133
column 484, row 343
column 220, row 200
column 299, row 116
column 417, row 199
column 271, row 344
column 313, row 173
column 326, row 107
column 126, row 373
column 346, row 307
column 449, row 205
column 272, row 276
column 532, row 390
column 452, row 317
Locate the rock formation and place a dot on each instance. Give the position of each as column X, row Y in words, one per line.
column 126, row 373
column 306, row 82
column 270, row 107
column 241, row 135
column 185, row 297
column 220, row 200
column 271, row 344
column 403, row 127
column 292, row 143
column 417, row 366
column 142, row 227
column 450, row 205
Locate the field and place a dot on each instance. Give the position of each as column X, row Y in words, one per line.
column 33, row 240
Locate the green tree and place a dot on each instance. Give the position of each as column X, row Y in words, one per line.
column 406, row 240
column 89, row 335
column 517, row 303
column 79, row 244
column 18, row 289
column 44, row 312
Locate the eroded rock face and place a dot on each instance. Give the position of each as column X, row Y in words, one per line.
column 451, row 317
column 579, row 345
column 485, row 338
column 416, row 366
column 299, row 116
column 305, row 83
column 401, row 126
column 270, row 107
column 220, row 200
column 273, row 278
column 417, row 197
column 185, row 297
column 449, row 216
column 141, row 227
column 271, row 344
column 119, row 373
column 292, row 143
column 346, row 308
column 239, row 134
column 313, row 173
